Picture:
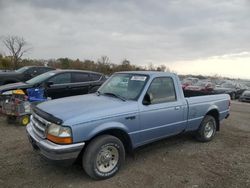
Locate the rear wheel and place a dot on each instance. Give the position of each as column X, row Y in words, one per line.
column 207, row 129
column 103, row 157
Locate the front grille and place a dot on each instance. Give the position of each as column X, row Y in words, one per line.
column 39, row 125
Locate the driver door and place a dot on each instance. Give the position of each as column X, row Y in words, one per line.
column 164, row 116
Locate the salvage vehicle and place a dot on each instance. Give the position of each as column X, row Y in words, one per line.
column 233, row 89
column 201, row 86
column 245, row 97
column 129, row 110
column 60, row 83
column 23, row 74
column 189, row 82
column 199, row 89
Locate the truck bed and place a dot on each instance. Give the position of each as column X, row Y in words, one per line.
column 198, row 106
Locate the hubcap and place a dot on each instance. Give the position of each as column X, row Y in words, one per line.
column 209, row 129
column 107, row 159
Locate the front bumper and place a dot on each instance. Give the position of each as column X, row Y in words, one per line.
column 54, row 152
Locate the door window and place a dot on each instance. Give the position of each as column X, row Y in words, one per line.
column 80, row 77
column 95, row 77
column 162, row 90
column 62, row 78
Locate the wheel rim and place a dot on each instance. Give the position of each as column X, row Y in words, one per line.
column 209, row 129
column 107, row 159
column 25, row 120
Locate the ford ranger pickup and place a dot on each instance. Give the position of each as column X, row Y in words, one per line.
column 129, row 110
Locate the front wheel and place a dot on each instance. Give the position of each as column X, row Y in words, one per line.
column 103, row 157
column 207, row 129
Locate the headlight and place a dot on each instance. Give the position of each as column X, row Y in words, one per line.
column 59, row 134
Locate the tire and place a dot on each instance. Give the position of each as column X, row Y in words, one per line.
column 207, row 129
column 24, row 120
column 107, row 151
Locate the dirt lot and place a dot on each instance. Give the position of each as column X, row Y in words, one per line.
column 175, row 162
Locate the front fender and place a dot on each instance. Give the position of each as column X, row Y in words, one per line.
column 105, row 127
column 88, row 131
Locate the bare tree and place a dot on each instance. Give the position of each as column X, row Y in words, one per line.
column 17, row 46
column 104, row 60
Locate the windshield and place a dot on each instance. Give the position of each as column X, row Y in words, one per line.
column 201, row 84
column 21, row 70
column 40, row 78
column 127, row 86
column 227, row 85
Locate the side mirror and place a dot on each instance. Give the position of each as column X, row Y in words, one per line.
column 48, row 84
column 147, row 99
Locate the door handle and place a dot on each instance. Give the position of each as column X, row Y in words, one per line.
column 177, row 108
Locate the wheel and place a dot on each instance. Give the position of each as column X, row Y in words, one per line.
column 207, row 129
column 103, row 157
column 233, row 96
column 24, row 120
column 11, row 119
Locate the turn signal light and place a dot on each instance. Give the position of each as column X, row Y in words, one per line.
column 59, row 140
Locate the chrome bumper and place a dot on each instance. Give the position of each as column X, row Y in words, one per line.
column 52, row 151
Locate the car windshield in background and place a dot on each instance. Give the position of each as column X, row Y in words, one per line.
column 202, row 84
column 40, row 78
column 226, row 85
column 126, row 86
column 21, row 70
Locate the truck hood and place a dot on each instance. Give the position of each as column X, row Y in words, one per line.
column 86, row 108
column 18, row 85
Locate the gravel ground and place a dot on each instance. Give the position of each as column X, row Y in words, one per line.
column 174, row 162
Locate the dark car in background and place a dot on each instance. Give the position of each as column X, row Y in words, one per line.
column 23, row 74
column 233, row 89
column 61, row 83
column 245, row 97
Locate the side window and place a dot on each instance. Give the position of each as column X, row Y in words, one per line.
column 162, row 90
column 30, row 71
column 42, row 70
column 62, row 78
column 95, row 77
column 80, row 77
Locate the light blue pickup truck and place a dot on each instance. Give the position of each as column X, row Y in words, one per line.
column 130, row 109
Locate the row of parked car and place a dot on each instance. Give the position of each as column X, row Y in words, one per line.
column 56, row 83
column 194, row 86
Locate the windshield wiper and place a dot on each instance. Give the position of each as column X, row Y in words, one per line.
column 114, row 95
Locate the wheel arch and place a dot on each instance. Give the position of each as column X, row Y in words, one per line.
column 115, row 129
column 215, row 113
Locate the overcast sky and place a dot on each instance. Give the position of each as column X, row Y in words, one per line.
column 189, row 36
